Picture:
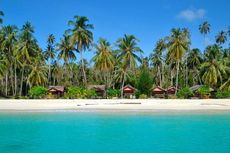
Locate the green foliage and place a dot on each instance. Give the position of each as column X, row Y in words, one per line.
column 37, row 92
column 113, row 92
column 223, row 94
column 90, row 93
column 145, row 82
column 185, row 93
column 80, row 93
column 204, row 90
column 143, row 96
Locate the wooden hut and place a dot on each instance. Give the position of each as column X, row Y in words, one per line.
column 158, row 92
column 197, row 95
column 129, row 91
column 57, row 91
column 171, row 91
column 99, row 89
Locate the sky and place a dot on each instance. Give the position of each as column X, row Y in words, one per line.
column 148, row 20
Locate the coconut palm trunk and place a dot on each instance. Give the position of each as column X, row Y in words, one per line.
column 6, row 81
column 162, row 74
column 177, row 75
column 12, row 79
column 122, row 86
column 22, row 77
column 49, row 73
column 15, row 79
column 83, row 69
column 159, row 74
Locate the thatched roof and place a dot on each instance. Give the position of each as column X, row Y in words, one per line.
column 196, row 87
column 97, row 87
column 57, row 88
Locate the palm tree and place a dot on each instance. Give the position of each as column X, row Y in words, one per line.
column 9, row 34
column 177, row 48
column 50, row 53
column 204, row 29
column 221, row 38
column 66, row 50
column 127, row 48
column 122, row 74
column 1, row 14
column 37, row 76
column 213, row 68
column 157, row 59
column 226, row 85
column 27, row 48
column 104, row 60
column 3, row 67
column 194, row 62
column 82, row 37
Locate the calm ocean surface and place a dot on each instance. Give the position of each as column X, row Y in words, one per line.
column 71, row 132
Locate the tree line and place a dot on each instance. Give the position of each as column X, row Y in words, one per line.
column 24, row 64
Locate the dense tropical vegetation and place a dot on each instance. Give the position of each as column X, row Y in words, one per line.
column 24, row 64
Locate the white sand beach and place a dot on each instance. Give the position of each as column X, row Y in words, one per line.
column 116, row 105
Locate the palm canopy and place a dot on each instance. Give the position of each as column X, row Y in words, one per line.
column 3, row 65
column 81, row 33
column 204, row 28
column 213, row 70
column 127, row 48
column 27, row 46
column 37, row 76
column 104, row 59
column 177, row 44
column 221, row 38
column 214, row 67
column 226, row 85
column 49, row 52
column 156, row 56
column 194, row 58
column 212, row 52
column 66, row 50
column 9, row 34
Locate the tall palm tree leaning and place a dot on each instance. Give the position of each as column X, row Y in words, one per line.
column 177, row 47
column 49, row 53
column 104, row 60
column 82, row 37
column 127, row 47
column 204, row 29
column 221, row 38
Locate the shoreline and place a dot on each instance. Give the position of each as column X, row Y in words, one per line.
column 117, row 105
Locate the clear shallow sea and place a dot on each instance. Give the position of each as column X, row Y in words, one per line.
column 71, row 132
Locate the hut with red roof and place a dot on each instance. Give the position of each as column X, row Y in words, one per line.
column 158, row 92
column 129, row 91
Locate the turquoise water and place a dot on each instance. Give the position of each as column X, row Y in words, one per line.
column 65, row 132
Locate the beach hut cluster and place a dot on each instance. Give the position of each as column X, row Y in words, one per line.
column 159, row 92
column 129, row 91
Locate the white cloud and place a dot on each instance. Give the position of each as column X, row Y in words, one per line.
column 192, row 14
